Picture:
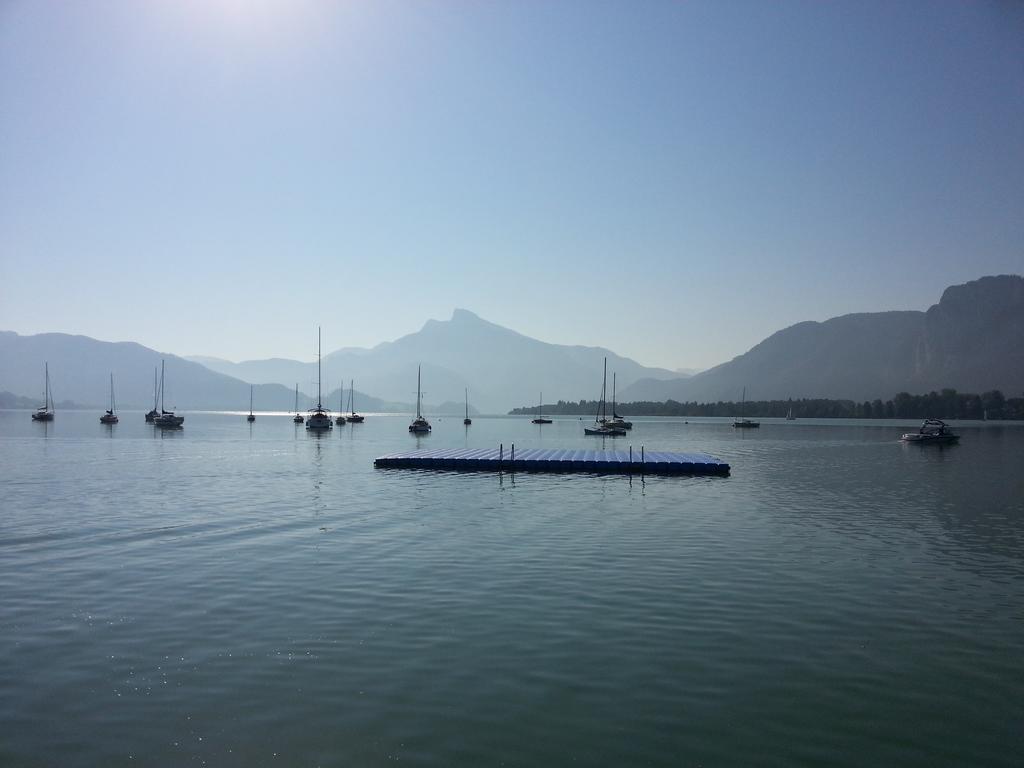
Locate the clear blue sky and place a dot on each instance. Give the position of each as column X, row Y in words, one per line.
column 672, row 180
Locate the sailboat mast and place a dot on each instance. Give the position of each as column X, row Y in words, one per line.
column 351, row 398
column 418, row 371
column 467, row 402
column 161, row 385
column 46, row 386
column 111, row 392
column 318, row 404
column 614, row 414
column 604, row 392
column 540, row 406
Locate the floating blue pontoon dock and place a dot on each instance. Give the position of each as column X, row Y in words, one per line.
column 556, row 460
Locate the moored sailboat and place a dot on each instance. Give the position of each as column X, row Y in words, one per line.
column 601, row 426
column 45, row 411
column 251, row 416
column 110, row 417
column 540, row 412
column 616, row 420
column 341, row 404
column 419, row 425
column 319, row 417
column 152, row 414
column 299, row 418
column 166, row 419
column 467, row 421
column 353, row 417
column 742, row 423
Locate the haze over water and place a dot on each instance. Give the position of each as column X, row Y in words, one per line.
column 257, row 595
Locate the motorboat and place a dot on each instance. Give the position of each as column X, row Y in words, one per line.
column 319, row 418
column 45, row 411
column 419, row 425
column 932, row 431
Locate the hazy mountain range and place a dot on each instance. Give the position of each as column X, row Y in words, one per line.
column 80, row 368
column 972, row 340
column 501, row 368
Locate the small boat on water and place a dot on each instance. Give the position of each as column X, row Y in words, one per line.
column 110, row 417
column 742, row 423
column 166, row 419
column 45, row 411
column 616, row 420
column 319, row 417
column 353, row 417
column 419, row 425
column 540, row 412
column 299, row 418
column 601, row 427
column 341, row 404
column 933, row 431
column 467, row 421
column 156, row 399
column 251, row 416
column 790, row 416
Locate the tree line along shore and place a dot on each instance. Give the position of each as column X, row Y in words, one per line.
column 946, row 404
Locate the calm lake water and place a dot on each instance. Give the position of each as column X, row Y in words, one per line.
column 248, row 595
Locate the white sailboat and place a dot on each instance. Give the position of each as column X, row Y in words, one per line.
column 419, row 425
column 110, row 417
column 601, row 426
column 319, row 417
column 45, row 411
column 166, row 419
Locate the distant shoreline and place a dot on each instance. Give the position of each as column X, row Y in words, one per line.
column 947, row 404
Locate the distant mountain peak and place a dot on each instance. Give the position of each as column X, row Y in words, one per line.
column 464, row 315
